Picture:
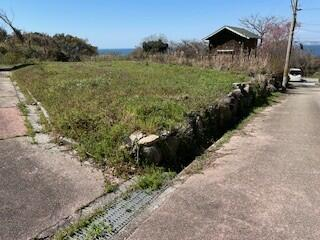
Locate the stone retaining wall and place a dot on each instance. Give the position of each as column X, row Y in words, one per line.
column 176, row 149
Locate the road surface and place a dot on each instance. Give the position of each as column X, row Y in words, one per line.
column 263, row 184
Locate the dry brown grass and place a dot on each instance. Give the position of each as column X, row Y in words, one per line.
column 264, row 60
column 252, row 63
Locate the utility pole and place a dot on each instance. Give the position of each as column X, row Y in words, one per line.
column 294, row 5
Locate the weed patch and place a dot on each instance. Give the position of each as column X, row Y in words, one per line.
column 71, row 229
column 154, row 178
column 99, row 104
column 23, row 108
column 96, row 229
column 25, row 111
column 110, row 187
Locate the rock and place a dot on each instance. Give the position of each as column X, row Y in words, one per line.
column 199, row 124
column 239, row 86
column 173, row 145
column 169, row 149
column 235, row 105
column 151, row 155
column 210, row 121
column 247, row 88
column 135, row 137
column 165, row 133
column 148, row 140
column 236, row 85
column 237, row 93
column 225, row 114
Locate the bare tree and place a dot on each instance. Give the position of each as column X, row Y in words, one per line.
column 259, row 24
column 4, row 17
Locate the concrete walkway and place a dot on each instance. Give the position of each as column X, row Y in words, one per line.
column 263, row 184
column 11, row 121
column 39, row 186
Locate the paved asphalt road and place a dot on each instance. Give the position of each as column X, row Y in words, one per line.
column 38, row 186
column 263, row 184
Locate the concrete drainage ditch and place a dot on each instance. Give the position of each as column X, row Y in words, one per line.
column 116, row 217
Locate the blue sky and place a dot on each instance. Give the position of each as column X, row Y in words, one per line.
column 123, row 23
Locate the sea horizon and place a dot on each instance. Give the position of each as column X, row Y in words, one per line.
column 116, row 51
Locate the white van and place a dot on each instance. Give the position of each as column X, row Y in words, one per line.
column 295, row 75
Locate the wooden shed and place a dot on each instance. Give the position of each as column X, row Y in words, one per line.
column 232, row 40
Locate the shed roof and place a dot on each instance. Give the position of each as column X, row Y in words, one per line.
column 240, row 31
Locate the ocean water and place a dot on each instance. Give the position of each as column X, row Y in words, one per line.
column 117, row 51
column 314, row 49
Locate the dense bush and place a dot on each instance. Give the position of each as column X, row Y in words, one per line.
column 73, row 47
column 40, row 46
column 157, row 46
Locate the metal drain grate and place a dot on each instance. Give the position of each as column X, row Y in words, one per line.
column 116, row 217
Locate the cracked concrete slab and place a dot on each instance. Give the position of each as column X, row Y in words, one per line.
column 11, row 123
column 6, row 102
column 7, row 89
column 40, row 187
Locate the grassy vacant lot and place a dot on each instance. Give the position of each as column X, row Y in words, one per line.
column 99, row 104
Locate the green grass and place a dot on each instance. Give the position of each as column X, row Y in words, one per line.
column 44, row 123
column 98, row 104
column 82, row 223
column 96, row 229
column 154, row 178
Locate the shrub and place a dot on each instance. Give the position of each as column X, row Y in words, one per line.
column 73, row 47
column 13, row 57
column 155, row 46
column 59, row 47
